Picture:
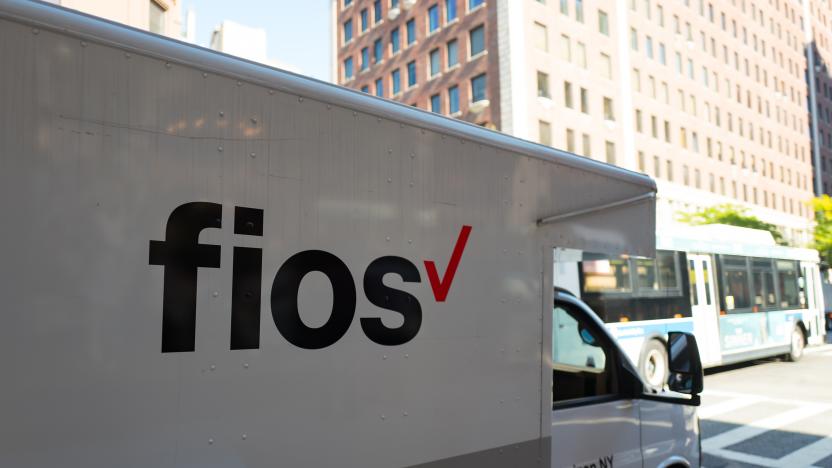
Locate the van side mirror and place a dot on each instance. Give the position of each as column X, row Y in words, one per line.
column 685, row 365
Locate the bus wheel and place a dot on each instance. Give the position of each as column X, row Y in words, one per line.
column 796, row 351
column 653, row 365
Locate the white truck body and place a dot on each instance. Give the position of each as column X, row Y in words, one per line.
column 118, row 148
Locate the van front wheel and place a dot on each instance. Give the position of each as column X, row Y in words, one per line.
column 653, row 365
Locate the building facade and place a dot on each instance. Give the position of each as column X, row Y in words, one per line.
column 819, row 77
column 707, row 97
column 157, row 16
column 442, row 56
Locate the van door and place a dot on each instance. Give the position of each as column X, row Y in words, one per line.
column 593, row 424
column 703, row 302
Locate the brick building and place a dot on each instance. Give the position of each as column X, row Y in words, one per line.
column 709, row 98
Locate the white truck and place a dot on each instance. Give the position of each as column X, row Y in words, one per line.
column 209, row 262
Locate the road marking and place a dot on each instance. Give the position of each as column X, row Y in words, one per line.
column 709, row 411
column 818, row 349
column 746, row 458
column 809, row 454
column 781, row 401
column 755, row 428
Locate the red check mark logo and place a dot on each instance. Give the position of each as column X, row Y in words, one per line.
column 441, row 287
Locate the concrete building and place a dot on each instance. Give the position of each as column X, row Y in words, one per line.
column 707, row 97
column 240, row 40
column 157, row 16
column 819, row 56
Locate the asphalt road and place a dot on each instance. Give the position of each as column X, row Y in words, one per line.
column 769, row 413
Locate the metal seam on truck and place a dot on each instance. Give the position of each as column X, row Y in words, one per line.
column 593, row 209
column 109, row 33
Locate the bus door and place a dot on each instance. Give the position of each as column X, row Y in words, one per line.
column 812, row 292
column 703, row 303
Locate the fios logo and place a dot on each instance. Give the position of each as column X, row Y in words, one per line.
column 182, row 255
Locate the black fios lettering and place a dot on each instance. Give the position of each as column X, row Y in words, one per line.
column 182, row 255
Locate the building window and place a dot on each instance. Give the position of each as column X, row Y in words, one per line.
column 541, row 37
column 478, row 91
column 586, row 146
column 564, row 7
column 365, row 59
column 365, row 89
column 348, row 68
column 435, row 62
column 347, row 3
column 641, row 162
column 565, row 48
column 639, row 127
column 543, row 85
column 567, row 95
column 394, row 4
column 633, row 39
column 662, row 54
column 347, row 31
column 570, row 140
column 584, row 101
column 380, row 87
column 581, row 54
column 378, row 50
column 411, row 74
column 477, row 40
column 433, row 18
column 544, row 132
column 377, row 11
column 603, row 23
column 395, row 41
column 453, row 53
column 453, row 100
column 610, row 152
column 450, row 10
column 608, row 110
column 648, row 46
column 606, row 66
column 579, row 11
column 396, row 81
column 436, row 104
column 411, row 31
column 474, row 4
column 364, row 20
column 157, row 18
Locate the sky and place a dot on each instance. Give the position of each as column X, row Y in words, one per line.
column 297, row 30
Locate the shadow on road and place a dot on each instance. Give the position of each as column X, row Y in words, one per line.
column 770, row 448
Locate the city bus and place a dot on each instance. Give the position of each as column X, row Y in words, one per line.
column 741, row 294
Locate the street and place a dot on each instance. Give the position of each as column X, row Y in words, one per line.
column 769, row 413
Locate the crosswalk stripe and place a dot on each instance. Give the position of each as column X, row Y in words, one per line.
column 746, row 458
column 709, row 411
column 782, row 401
column 809, row 454
column 760, row 426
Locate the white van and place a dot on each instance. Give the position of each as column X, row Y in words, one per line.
column 210, row 262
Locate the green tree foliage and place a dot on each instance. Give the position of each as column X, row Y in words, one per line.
column 823, row 226
column 735, row 216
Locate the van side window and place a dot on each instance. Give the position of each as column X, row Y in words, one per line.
column 583, row 361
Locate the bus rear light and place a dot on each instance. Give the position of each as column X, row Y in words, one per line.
column 623, row 318
column 677, row 315
column 722, row 312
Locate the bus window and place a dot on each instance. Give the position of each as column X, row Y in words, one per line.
column 762, row 275
column 668, row 276
column 646, row 274
column 787, row 282
column 694, row 298
column 707, row 282
column 607, row 275
column 737, row 294
column 582, row 360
